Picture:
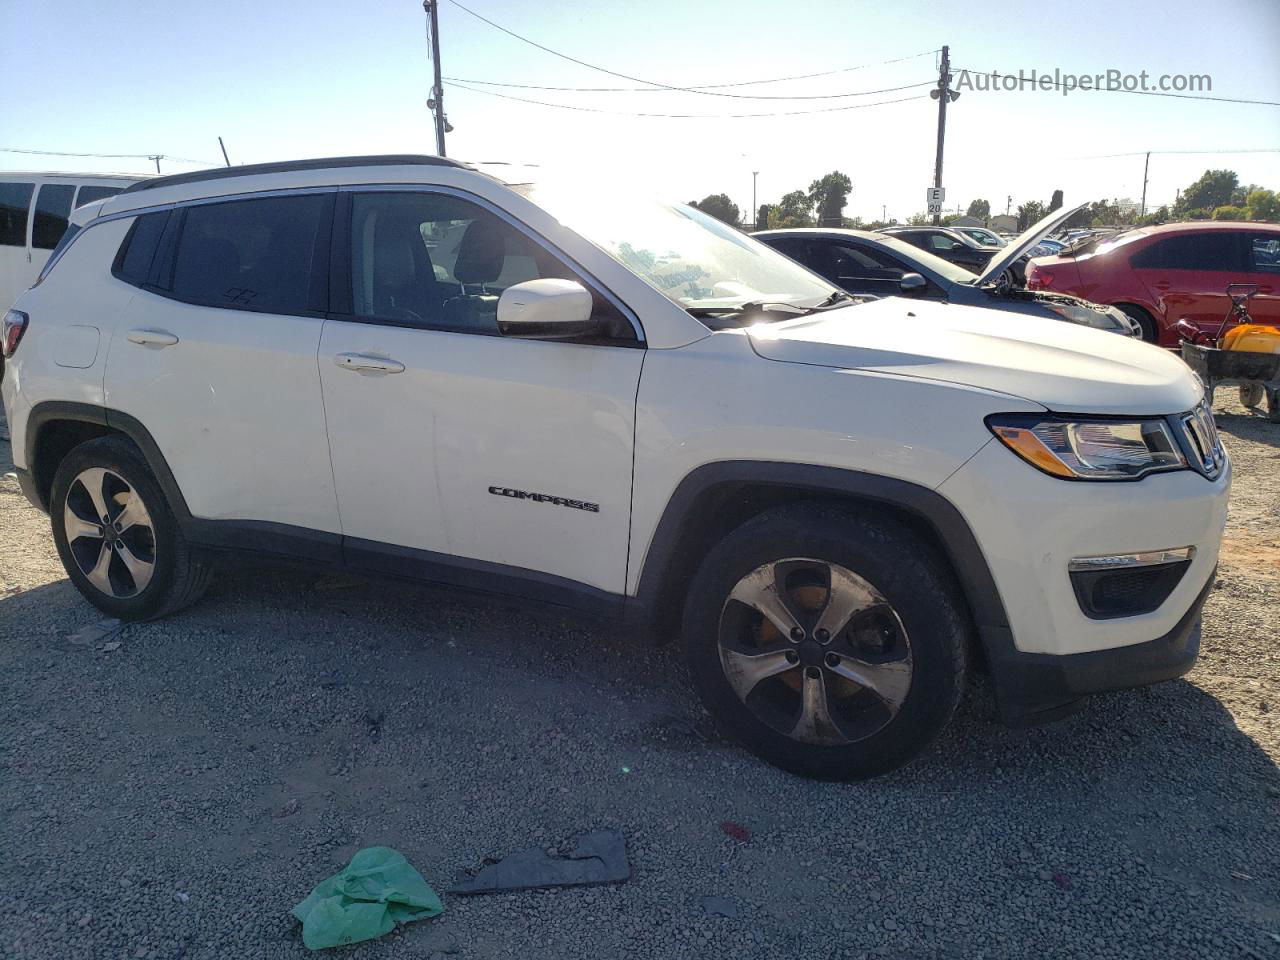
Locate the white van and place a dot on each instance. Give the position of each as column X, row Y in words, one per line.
column 34, row 211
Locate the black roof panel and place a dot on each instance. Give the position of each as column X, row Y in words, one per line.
column 286, row 166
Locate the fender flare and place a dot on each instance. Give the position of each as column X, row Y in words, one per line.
column 49, row 411
column 924, row 505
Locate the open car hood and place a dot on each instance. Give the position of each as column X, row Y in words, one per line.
column 1024, row 242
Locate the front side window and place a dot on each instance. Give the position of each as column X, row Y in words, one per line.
column 442, row 262
column 694, row 260
column 249, row 254
column 1210, row 250
column 15, row 201
column 89, row 193
column 53, row 207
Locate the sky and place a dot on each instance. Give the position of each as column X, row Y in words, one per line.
column 282, row 79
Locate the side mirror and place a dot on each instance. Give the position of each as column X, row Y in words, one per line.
column 547, row 309
column 912, row 283
column 957, row 245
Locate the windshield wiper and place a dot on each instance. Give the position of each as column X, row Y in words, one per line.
column 750, row 306
column 839, row 298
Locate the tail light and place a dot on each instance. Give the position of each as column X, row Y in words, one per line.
column 1038, row 278
column 15, row 325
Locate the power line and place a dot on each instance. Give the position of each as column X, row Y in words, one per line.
column 710, row 90
column 744, row 96
column 682, row 116
column 1139, row 153
column 106, row 156
column 1142, row 93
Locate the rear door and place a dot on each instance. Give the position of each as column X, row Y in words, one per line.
column 458, row 452
column 217, row 357
column 1187, row 274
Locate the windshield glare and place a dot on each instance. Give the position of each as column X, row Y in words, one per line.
column 693, row 259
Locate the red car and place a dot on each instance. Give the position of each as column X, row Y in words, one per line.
column 1160, row 275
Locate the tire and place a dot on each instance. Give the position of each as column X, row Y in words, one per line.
column 146, row 571
column 907, row 639
column 1252, row 394
column 1142, row 319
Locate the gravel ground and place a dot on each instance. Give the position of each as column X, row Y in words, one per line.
column 171, row 790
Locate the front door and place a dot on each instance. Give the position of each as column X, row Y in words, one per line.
column 455, row 448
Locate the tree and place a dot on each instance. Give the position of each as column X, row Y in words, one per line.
column 1262, row 205
column 1029, row 213
column 1212, row 190
column 793, row 210
column 1228, row 212
column 718, row 205
column 828, row 197
column 1056, row 202
column 979, row 210
column 762, row 216
column 920, row 220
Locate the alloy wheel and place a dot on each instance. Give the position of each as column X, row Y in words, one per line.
column 109, row 533
column 815, row 651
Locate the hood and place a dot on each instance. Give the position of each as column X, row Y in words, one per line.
column 1025, row 241
column 1062, row 366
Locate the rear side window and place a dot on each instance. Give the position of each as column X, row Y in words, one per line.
column 53, row 207
column 1211, row 250
column 133, row 261
column 15, row 201
column 88, row 194
column 1265, row 249
column 249, row 254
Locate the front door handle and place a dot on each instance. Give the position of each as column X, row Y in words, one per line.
column 368, row 365
column 152, row 338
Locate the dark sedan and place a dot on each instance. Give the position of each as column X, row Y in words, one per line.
column 950, row 245
column 883, row 265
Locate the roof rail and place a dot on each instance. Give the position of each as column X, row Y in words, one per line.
column 286, row 166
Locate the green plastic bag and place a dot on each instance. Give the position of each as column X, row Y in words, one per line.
column 376, row 890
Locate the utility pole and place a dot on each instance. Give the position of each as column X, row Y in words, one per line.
column 755, row 210
column 884, row 213
column 157, row 157
column 943, row 94
column 224, row 152
column 1008, row 202
column 436, row 103
column 1145, row 165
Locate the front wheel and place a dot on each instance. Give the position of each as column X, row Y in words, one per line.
column 830, row 644
column 116, row 536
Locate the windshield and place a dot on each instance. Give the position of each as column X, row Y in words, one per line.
column 923, row 258
column 693, row 259
column 984, row 237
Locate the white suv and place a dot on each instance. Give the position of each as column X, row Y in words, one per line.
column 406, row 366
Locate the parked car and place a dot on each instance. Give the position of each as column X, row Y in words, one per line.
column 882, row 265
column 34, row 211
column 628, row 407
column 946, row 243
column 1160, row 275
column 983, row 236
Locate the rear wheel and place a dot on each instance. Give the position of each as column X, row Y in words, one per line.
column 117, row 537
column 830, row 644
column 1252, row 394
column 1142, row 319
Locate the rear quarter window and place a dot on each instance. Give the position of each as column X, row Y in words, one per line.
column 138, row 250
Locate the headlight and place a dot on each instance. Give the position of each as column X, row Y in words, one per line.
column 1088, row 449
column 1074, row 313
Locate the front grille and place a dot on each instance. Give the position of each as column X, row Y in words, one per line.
column 1125, row 592
column 1200, row 436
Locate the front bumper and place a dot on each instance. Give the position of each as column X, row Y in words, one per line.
column 1035, row 688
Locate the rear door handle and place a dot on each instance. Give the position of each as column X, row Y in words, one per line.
column 366, row 364
column 152, row 338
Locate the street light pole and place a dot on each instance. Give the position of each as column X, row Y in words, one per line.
column 755, row 210
column 1145, row 165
